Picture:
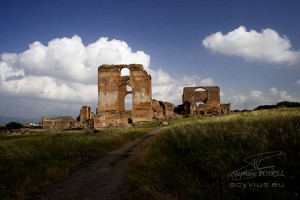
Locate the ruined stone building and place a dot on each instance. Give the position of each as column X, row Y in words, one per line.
column 58, row 122
column 84, row 120
column 113, row 87
column 203, row 100
column 162, row 109
column 118, row 82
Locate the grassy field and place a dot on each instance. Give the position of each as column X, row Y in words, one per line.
column 193, row 159
column 31, row 161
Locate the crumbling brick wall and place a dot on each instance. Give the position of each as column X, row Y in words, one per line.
column 58, row 123
column 162, row 109
column 225, row 108
column 112, row 90
column 84, row 120
column 169, row 109
column 158, row 112
column 202, row 100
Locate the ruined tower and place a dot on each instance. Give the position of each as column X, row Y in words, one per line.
column 113, row 87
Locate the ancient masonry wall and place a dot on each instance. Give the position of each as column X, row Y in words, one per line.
column 113, row 87
column 162, row 110
column 84, row 120
column 225, row 108
column 203, row 100
column 58, row 123
column 112, row 90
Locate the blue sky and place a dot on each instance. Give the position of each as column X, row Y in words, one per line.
column 49, row 50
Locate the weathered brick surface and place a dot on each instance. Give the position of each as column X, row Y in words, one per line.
column 225, row 108
column 85, row 120
column 59, row 122
column 112, row 90
column 203, row 100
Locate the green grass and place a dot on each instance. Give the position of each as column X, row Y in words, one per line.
column 29, row 162
column 192, row 158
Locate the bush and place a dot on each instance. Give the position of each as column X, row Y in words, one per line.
column 14, row 125
column 283, row 104
column 265, row 107
column 288, row 104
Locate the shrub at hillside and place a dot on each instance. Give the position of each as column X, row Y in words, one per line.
column 14, row 125
column 283, row 104
column 288, row 104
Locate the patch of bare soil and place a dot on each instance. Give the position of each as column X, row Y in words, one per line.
column 102, row 179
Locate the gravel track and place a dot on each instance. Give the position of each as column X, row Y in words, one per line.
column 101, row 179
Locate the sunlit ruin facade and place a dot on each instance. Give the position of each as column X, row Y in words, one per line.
column 125, row 99
column 114, row 86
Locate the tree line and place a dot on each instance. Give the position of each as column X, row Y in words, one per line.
column 283, row 104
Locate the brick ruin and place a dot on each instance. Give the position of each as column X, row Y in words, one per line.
column 84, row 120
column 203, row 101
column 114, row 88
column 162, row 110
column 58, row 122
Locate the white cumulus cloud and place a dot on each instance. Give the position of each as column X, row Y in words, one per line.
column 255, row 98
column 165, row 88
column 267, row 45
column 255, row 93
column 65, row 69
column 207, row 82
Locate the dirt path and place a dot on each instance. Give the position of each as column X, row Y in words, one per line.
column 102, row 179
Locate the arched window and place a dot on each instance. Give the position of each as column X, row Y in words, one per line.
column 125, row 72
column 200, row 90
column 128, row 88
column 128, row 102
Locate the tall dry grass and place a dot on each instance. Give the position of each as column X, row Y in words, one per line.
column 192, row 159
column 30, row 162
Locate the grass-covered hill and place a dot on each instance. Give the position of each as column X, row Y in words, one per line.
column 253, row 155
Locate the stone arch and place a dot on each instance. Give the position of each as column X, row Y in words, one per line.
column 200, row 89
column 125, row 71
column 128, row 87
column 200, row 93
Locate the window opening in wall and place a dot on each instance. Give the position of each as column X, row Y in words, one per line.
column 128, row 102
column 125, row 72
column 200, row 90
column 128, row 88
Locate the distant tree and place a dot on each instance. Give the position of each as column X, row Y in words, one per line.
column 14, row 125
column 264, row 107
column 288, row 104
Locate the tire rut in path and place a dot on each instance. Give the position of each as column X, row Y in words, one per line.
column 101, row 179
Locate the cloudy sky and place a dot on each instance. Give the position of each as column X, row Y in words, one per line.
column 50, row 50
